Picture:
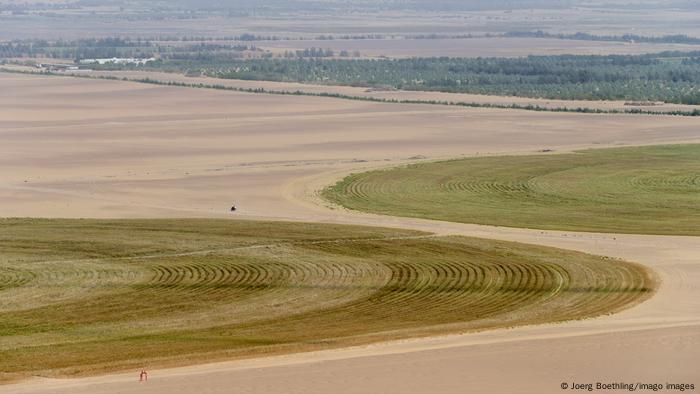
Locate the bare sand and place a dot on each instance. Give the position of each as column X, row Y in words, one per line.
column 91, row 148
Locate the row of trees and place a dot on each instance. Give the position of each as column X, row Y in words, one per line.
column 210, row 52
column 121, row 47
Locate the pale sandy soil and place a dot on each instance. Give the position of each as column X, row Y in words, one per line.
column 395, row 95
column 90, row 148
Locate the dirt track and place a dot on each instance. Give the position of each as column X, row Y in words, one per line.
column 115, row 149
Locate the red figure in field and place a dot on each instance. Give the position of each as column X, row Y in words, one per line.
column 143, row 376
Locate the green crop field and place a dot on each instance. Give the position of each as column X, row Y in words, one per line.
column 87, row 296
column 644, row 190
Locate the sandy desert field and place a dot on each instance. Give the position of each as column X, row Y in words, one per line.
column 112, row 149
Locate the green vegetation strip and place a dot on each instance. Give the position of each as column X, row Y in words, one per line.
column 87, row 296
column 643, row 190
column 671, row 77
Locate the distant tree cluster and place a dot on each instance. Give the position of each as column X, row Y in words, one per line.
column 78, row 49
column 670, row 77
column 124, row 47
column 207, row 51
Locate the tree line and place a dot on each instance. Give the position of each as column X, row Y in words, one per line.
column 670, row 77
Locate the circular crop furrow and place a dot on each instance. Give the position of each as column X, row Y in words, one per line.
column 226, row 278
column 667, row 181
column 484, row 187
column 299, row 294
column 451, row 290
column 483, row 289
column 447, row 289
column 618, row 288
column 601, row 287
column 80, row 275
column 361, row 190
column 12, row 277
column 504, row 295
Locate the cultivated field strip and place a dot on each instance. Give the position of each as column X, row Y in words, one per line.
column 646, row 190
column 272, row 295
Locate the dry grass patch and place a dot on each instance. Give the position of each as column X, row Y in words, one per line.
column 88, row 296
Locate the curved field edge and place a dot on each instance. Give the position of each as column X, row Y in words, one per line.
column 82, row 297
column 637, row 190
